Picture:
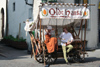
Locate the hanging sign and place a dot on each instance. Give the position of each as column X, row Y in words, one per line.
column 74, row 12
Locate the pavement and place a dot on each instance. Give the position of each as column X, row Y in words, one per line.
column 20, row 58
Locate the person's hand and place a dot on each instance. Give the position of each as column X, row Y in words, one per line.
column 53, row 29
column 68, row 42
column 58, row 37
column 46, row 30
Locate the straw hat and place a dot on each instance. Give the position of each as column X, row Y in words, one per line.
column 49, row 27
column 27, row 20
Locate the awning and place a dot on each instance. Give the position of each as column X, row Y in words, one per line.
column 63, row 15
column 64, row 12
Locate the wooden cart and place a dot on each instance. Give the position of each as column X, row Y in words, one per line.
column 77, row 54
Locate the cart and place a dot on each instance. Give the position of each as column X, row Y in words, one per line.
column 39, row 50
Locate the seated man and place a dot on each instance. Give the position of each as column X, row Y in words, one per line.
column 66, row 40
column 51, row 42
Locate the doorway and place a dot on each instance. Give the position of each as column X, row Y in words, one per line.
column 2, row 18
column 98, row 28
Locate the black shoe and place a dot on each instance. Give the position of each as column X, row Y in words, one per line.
column 68, row 63
column 37, row 55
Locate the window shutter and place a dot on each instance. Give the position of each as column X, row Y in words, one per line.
column 85, row 1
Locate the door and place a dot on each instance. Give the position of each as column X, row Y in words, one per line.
column 2, row 18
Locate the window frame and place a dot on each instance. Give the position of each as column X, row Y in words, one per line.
column 14, row 6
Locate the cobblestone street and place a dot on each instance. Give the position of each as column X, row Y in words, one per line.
column 20, row 58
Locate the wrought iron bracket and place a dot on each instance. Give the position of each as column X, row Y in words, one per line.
column 26, row 1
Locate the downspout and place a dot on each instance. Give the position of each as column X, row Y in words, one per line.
column 7, row 18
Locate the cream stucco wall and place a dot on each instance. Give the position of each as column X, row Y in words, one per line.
column 92, row 34
column 17, row 17
column 2, row 5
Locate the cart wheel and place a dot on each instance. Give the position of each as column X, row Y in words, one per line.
column 39, row 58
column 51, row 58
column 77, row 58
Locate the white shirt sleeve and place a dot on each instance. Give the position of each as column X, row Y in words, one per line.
column 71, row 37
column 61, row 35
column 45, row 33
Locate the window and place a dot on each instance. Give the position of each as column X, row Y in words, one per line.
column 86, row 1
column 14, row 6
column 30, row 13
column 52, row 1
column 78, row 1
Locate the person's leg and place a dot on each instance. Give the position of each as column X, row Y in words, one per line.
column 70, row 47
column 64, row 53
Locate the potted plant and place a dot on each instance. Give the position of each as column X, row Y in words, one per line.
column 19, row 43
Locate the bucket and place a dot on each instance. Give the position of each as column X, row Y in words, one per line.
column 33, row 32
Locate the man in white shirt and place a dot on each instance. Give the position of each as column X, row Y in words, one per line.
column 66, row 40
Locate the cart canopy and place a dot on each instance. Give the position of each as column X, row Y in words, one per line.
column 62, row 14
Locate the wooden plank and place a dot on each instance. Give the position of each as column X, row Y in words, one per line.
column 32, row 49
column 69, row 4
column 82, row 38
column 19, row 30
column 80, row 27
column 85, row 2
column 40, row 36
column 85, row 34
column 35, row 43
column 43, row 46
column 74, row 30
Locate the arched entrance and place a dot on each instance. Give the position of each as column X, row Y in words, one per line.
column 2, row 18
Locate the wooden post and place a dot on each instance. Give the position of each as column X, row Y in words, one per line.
column 85, row 36
column 19, row 30
column 43, row 46
column 80, row 27
column 40, row 35
column 85, row 2
column 32, row 48
column 82, row 38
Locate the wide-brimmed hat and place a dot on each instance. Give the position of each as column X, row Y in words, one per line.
column 49, row 27
column 27, row 20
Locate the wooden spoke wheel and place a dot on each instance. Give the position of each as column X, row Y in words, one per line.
column 77, row 58
column 39, row 58
column 51, row 58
